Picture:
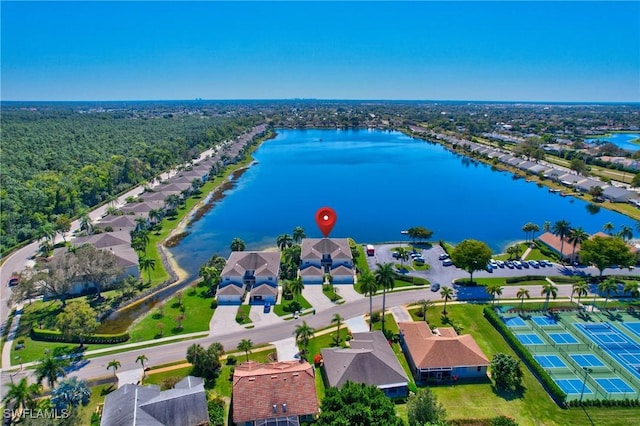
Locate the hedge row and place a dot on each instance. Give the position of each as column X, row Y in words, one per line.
column 512, row 280
column 56, row 336
column 411, row 279
column 556, row 393
column 605, row 403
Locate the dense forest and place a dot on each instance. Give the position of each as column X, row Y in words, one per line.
column 58, row 160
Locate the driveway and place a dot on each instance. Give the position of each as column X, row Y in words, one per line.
column 224, row 321
column 259, row 318
column 314, row 295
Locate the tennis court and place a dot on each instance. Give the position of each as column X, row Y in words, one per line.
column 633, row 327
column 550, row 361
column 618, row 345
column 529, row 339
column 573, row 386
column 542, row 321
column 563, row 338
column 514, row 322
column 587, row 360
column 614, row 385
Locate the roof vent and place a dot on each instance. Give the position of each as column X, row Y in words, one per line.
column 275, row 408
column 284, row 408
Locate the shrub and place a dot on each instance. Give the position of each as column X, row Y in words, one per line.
column 56, row 336
column 317, row 359
column 214, row 304
column 375, row 317
column 231, row 360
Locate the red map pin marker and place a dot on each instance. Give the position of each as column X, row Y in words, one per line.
column 326, row 218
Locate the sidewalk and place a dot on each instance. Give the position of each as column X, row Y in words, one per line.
column 6, row 349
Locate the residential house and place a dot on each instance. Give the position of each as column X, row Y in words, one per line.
column 250, row 271
column 134, row 405
column 126, row 223
column 327, row 254
column 554, row 243
column 618, row 195
column 442, row 355
column 571, row 180
column 369, row 360
column 587, row 184
column 537, row 169
column 274, row 394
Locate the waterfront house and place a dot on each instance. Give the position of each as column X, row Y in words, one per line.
column 328, row 255
column 442, row 355
column 369, row 360
column 250, row 270
column 586, row 185
column 618, row 195
column 279, row 393
column 554, row 243
column 126, row 223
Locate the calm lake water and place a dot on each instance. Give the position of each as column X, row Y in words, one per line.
column 623, row 140
column 379, row 183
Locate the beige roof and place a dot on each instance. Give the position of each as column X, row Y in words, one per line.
column 432, row 351
column 105, row 239
column 263, row 263
column 311, row 271
column 314, row 248
column 342, row 270
column 230, row 290
column 264, row 290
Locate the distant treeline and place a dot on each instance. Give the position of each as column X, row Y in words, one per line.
column 58, row 161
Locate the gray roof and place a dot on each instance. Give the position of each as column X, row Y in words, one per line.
column 262, row 263
column 314, row 248
column 370, row 360
column 587, row 184
column 613, row 192
column 106, row 239
column 185, row 405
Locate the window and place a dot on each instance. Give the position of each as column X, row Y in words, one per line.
column 479, row 368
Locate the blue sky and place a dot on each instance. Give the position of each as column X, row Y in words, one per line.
column 511, row 51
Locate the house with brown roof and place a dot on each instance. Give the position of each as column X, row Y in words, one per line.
column 554, row 243
column 329, row 255
column 369, row 360
column 278, row 393
column 253, row 272
column 442, row 355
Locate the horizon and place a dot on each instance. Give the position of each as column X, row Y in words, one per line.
column 527, row 52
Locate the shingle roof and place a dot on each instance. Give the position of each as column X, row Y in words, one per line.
column 342, row 270
column 432, row 351
column 122, row 221
column 311, row 271
column 106, row 239
column 230, row 290
column 263, row 263
column 370, row 360
column 264, row 290
column 314, row 248
column 258, row 387
column 134, row 405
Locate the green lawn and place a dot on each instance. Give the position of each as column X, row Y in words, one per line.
column 242, row 316
column 361, row 260
column 158, row 378
column 279, row 309
column 324, row 341
column 331, row 293
column 98, row 393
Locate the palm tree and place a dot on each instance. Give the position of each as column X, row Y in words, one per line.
column 115, row 364
column 633, row 288
column 534, row 229
column 245, row 345
column 298, row 234
column 492, row 289
column 385, row 278
column 51, row 368
column 403, row 254
column 576, row 236
column 20, row 395
column 447, row 294
column 147, row 264
column 237, row 244
column 606, row 287
column 337, row 320
column 561, row 229
column 608, row 228
column 284, row 240
column 424, row 304
column 304, row 334
column 172, row 201
column 626, row 233
column 142, row 359
column 369, row 287
column 86, row 224
column 549, row 290
column 580, row 288
column 155, row 215
column 296, row 286
column 521, row 294
column 546, row 227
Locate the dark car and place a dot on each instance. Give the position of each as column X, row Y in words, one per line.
column 435, row 287
column 267, row 307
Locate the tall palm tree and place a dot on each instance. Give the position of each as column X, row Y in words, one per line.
column 608, row 228
column 549, row 290
column 424, row 304
column 155, row 215
column 546, row 227
column 403, row 254
column 492, row 289
column 337, row 320
column 142, row 359
column 245, row 345
column 369, row 287
column 304, row 334
column 385, row 277
column 284, row 240
column 296, row 286
column 298, row 234
column 51, row 368
column 626, row 233
column 172, row 201
column 20, row 396
column 86, row 224
column 534, row 230
column 577, row 236
column 521, row 294
column 237, row 244
column 561, row 229
column 633, row 288
column 581, row 288
column 147, row 264
column 447, row 294
column 114, row 364
column 607, row 286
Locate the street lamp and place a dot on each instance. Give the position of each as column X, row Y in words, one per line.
column 587, row 370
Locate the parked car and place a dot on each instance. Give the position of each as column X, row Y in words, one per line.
column 493, row 264
column 14, row 280
column 509, row 264
column 419, row 259
column 435, row 287
column 395, row 254
column 517, row 264
column 447, row 262
column 525, row 264
column 443, row 256
column 546, row 262
column 488, row 268
column 500, row 263
column 267, row 307
column 534, row 263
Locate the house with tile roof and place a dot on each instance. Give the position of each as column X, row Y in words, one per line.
column 327, row 255
column 369, row 360
column 134, row 405
column 442, row 355
column 554, row 243
column 253, row 272
column 278, row 393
